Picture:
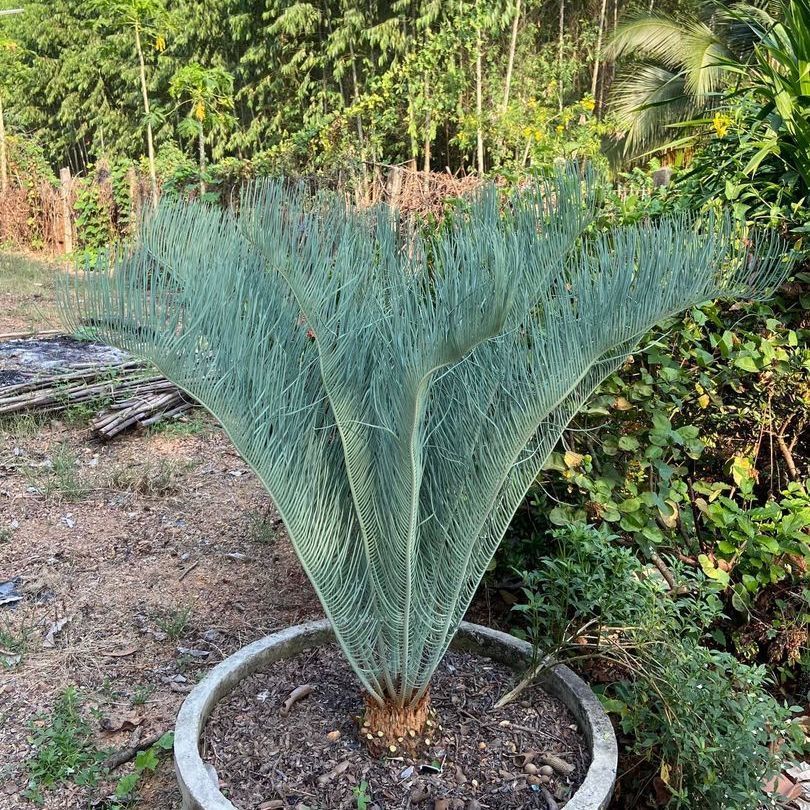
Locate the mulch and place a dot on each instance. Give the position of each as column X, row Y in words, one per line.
column 314, row 758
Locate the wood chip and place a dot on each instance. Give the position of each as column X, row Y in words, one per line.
column 325, row 778
column 121, row 652
column 559, row 765
column 296, row 695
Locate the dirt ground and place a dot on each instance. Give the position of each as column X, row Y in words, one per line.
column 150, row 547
column 149, row 558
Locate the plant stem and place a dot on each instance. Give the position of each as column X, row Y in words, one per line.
column 145, row 93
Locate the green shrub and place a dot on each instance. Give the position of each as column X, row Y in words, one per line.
column 699, row 719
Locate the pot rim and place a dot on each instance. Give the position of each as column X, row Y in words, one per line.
column 200, row 792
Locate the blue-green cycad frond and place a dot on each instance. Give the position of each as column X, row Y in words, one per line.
column 398, row 393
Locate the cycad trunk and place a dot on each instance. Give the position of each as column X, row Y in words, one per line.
column 390, row 728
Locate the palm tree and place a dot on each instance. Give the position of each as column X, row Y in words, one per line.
column 208, row 95
column 397, row 393
column 679, row 68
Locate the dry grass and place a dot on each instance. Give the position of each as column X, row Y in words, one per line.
column 26, row 293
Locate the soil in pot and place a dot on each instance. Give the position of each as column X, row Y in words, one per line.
column 528, row 754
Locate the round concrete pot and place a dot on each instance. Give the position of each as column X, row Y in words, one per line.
column 200, row 792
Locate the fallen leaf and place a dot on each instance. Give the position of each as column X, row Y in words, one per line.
column 121, row 652
column 127, row 723
column 53, row 631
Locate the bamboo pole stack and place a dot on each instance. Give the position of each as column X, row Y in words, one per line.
column 129, row 393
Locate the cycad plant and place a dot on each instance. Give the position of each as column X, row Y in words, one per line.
column 398, row 394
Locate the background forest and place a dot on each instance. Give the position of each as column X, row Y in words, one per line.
column 665, row 550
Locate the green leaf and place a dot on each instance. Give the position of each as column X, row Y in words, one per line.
column 746, row 363
column 146, row 760
column 127, row 784
column 712, row 571
column 630, row 505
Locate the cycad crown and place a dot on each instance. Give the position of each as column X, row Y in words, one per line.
column 398, row 394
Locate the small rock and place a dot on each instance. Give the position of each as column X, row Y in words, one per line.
column 180, row 688
column 531, row 768
column 193, row 653
column 333, row 736
column 482, row 746
column 211, row 636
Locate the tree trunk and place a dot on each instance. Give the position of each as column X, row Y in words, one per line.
column 479, row 101
column 150, row 146
column 390, row 729
column 560, row 47
column 426, row 178
column 359, row 122
column 595, row 77
column 507, row 84
column 201, row 144
column 67, row 222
column 3, row 154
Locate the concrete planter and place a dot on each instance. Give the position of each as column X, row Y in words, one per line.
column 201, row 793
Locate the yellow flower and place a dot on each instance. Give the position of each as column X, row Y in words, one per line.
column 721, row 124
column 560, row 129
column 199, row 111
column 588, row 103
column 160, row 43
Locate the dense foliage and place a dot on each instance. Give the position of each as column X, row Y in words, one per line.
column 694, row 716
column 313, row 85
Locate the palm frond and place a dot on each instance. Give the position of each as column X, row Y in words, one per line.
column 646, row 99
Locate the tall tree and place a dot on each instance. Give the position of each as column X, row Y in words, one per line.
column 8, row 51
column 598, row 53
column 510, row 63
